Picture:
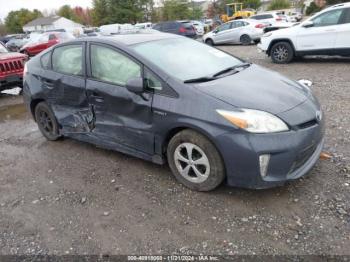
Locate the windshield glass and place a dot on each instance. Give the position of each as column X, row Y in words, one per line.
column 3, row 49
column 184, row 58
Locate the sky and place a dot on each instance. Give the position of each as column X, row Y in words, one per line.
column 10, row 5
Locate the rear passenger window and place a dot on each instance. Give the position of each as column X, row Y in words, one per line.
column 46, row 61
column 68, row 59
column 111, row 66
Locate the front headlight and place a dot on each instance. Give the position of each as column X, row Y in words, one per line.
column 254, row 121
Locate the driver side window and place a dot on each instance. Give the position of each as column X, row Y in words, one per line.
column 328, row 18
column 111, row 66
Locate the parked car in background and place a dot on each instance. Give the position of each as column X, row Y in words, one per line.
column 184, row 28
column 325, row 33
column 147, row 25
column 269, row 18
column 11, row 68
column 199, row 26
column 15, row 44
column 45, row 41
column 297, row 16
column 242, row 31
column 211, row 116
column 115, row 29
column 6, row 38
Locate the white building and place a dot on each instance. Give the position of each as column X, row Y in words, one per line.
column 52, row 23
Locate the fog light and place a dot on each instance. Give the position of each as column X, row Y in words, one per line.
column 264, row 164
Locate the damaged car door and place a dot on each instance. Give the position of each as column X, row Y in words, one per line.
column 123, row 118
column 65, row 89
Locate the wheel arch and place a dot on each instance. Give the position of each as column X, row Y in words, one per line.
column 280, row 40
column 33, row 105
column 176, row 129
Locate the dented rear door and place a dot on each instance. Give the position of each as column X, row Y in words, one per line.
column 64, row 86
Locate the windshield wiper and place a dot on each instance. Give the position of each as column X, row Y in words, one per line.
column 231, row 68
column 200, row 79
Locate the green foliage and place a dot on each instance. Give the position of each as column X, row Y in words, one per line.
column 120, row 11
column 312, row 8
column 100, row 12
column 15, row 20
column 176, row 9
column 255, row 4
column 67, row 12
column 279, row 4
column 196, row 13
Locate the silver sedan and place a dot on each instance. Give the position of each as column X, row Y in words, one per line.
column 243, row 31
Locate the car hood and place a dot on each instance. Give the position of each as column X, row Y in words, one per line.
column 257, row 88
column 11, row 55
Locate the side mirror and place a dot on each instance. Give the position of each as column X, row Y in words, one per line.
column 216, row 31
column 308, row 24
column 135, row 85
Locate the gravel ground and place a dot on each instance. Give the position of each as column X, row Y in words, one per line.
column 69, row 197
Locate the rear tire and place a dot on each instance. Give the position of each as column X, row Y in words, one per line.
column 195, row 161
column 46, row 121
column 245, row 40
column 209, row 42
column 282, row 53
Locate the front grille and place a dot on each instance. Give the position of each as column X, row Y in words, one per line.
column 307, row 124
column 14, row 66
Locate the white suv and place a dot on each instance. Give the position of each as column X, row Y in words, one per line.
column 325, row 33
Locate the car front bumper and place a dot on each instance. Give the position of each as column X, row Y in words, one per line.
column 11, row 81
column 291, row 154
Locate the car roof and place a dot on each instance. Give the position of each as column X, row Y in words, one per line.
column 132, row 39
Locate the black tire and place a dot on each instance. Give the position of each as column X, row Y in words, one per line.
column 245, row 40
column 282, row 53
column 214, row 172
column 209, row 42
column 46, row 121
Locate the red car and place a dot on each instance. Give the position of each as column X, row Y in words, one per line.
column 11, row 68
column 45, row 41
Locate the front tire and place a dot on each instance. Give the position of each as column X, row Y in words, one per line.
column 282, row 53
column 195, row 161
column 46, row 121
column 209, row 42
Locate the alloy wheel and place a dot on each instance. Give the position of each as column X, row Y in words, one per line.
column 46, row 122
column 281, row 53
column 191, row 162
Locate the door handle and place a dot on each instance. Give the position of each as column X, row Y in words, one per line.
column 330, row 30
column 48, row 83
column 97, row 97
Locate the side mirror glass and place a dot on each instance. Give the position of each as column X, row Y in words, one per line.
column 135, row 85
column 307, row 24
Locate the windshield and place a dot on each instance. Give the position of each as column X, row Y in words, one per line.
column 3, row 49
column 184, row 58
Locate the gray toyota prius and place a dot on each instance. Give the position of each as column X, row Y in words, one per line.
column 168, row 99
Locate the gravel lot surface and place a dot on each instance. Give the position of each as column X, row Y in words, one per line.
column 69, row 197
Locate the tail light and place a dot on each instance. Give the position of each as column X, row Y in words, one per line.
column 278, row 19
column 260, row 26
column 25, row 69
column 182, row 30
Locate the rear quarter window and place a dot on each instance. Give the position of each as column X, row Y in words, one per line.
column 346, row 16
